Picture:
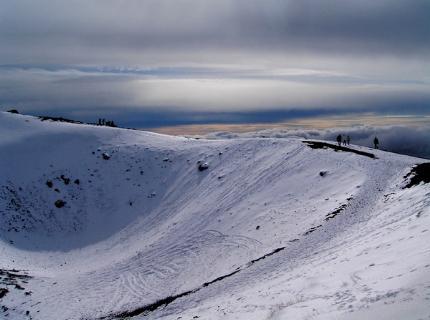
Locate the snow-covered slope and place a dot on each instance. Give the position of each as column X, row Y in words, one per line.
column 101, row 223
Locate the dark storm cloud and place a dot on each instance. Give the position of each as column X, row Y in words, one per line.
column 94, row 29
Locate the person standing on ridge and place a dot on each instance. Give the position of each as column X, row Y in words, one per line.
column 376, row 142
column 348, row 140
column 339, row 140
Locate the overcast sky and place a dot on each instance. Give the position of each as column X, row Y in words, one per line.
column 160, row 62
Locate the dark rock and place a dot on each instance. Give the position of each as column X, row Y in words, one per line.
column 49, row 184
column 65, row 179
column 60, row 203
column 105, row 156
column 77, row 181
column 3, row 292
column 13, row 111
column 323, row 173
column 420, row 173
column 203, row 166
column 257, row 228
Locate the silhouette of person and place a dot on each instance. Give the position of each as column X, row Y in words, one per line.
column 348, row 140
column 339, row 140
column 344, row 142
column 376, row 143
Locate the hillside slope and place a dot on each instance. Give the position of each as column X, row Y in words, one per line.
column 100, row 222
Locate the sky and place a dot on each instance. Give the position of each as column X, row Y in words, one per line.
column 152, row 63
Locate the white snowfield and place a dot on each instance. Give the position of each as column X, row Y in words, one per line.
column 106, row 223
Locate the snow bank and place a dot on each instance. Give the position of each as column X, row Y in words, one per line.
column 259, row 233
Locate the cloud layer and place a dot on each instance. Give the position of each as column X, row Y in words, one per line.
column 409, row 140
column 98, row 57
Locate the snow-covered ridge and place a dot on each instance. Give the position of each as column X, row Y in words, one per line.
column 100, row 222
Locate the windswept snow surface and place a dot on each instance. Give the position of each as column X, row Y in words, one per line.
column 272, row 229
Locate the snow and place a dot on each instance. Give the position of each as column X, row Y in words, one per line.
column 146, row 224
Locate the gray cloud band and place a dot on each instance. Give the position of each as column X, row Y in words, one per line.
column 214, row 55
column 363, row 27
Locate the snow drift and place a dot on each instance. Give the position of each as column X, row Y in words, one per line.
column 103, row 223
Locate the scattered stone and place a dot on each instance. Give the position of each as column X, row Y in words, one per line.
column 3, row 292
column 202, row 166
column 13, row 111
column 323, row 173
column 17, row 286
column 60, row 203
column 65, row 179
column 77, row 181
column 105, row 156
column 49, row 184
column 257, row 228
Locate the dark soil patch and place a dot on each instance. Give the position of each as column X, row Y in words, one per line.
column 266, row 255
column 59, row 119
column 220, row 278
column 419, row 173
column 151, row 307
column 325, row 145
column 310, row 230
column 333, row 214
